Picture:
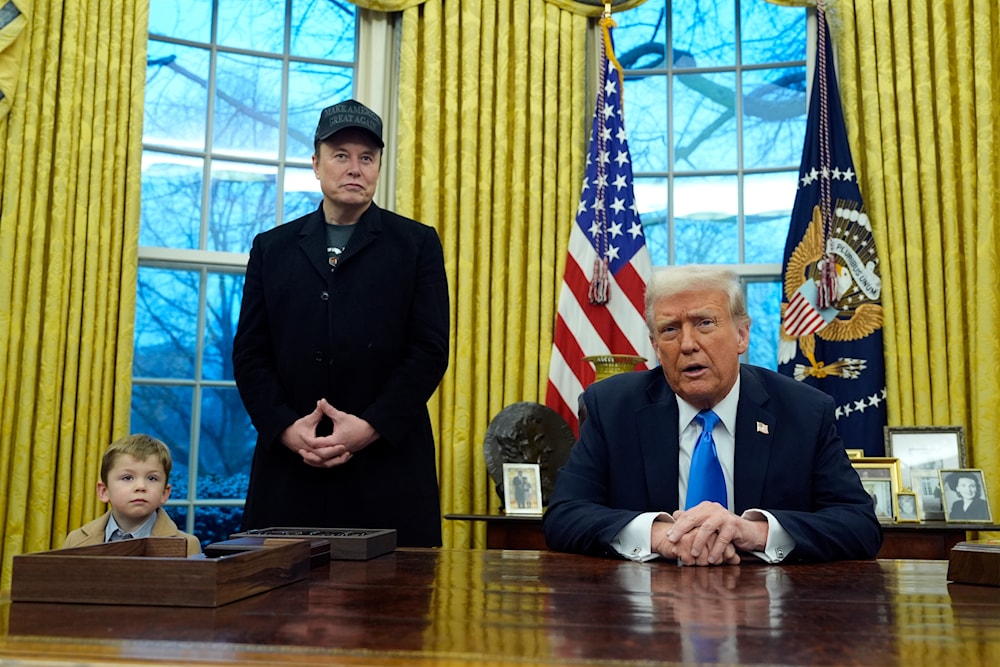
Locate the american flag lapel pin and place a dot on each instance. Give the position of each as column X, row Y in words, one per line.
column 762, row 428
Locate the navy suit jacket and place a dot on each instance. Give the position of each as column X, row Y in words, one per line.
column 793, row 465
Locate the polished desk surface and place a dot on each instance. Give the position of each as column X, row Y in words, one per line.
column 503, row 607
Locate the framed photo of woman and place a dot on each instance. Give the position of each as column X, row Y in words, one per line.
column 907, row 507
column 965, row 499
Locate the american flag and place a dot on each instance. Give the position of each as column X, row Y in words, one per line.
column 601, row 304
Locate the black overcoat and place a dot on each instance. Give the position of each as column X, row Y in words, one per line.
column 372, row 338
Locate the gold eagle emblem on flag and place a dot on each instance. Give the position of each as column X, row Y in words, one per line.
column 857, row 312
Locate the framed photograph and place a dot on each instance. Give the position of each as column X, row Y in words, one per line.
column 855, row 453
column 880, row 477
column 965, row 499
column 522, row 488
column 925, row 448
column 927, row 485
column 907, row 508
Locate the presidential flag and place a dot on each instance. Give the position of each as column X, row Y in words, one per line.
column 601, row 304
column 831, row 325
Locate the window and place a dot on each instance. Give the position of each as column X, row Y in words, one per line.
column 233, row 91
column 715, row 132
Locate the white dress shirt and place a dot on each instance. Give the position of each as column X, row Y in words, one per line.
column 634, row 540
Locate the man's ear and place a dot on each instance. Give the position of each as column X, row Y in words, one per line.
column 166, row 494
column 102, row 492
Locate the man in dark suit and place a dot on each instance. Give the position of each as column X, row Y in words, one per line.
column 789, row 492
column 342, row 339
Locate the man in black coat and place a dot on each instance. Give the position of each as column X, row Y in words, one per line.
column 342, row 340
column 788, row 490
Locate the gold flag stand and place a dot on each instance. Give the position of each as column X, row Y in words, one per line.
column 606, row 365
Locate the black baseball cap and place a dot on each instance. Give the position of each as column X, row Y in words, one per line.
column 349, row 114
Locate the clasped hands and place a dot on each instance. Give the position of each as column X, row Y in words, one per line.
column 707, row 534
column 350, row 434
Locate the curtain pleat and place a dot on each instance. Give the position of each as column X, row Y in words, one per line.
column 491, row 152
column 919, row 81
column 68, row 257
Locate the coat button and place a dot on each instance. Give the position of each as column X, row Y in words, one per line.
column 319, row 356
column 325, row 296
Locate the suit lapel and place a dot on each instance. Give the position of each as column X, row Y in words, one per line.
column 755, row 427
column 312, row 241
column 656, row 422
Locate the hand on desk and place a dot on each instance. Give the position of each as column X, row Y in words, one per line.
column 707, row 534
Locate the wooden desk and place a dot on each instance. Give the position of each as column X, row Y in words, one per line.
column 458, row 608
column 929, row 540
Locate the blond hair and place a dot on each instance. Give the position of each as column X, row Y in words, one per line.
column 140, row 447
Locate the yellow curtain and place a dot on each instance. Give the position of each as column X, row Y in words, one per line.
column 920, row 80
column 492, row 134
column 68, row 261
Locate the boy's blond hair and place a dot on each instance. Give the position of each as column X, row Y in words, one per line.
column 140, row 447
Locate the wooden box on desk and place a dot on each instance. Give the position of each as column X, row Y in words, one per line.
column 345, row 543
column 154, row 571
column 976, row 562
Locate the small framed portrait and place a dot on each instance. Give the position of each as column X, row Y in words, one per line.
column 907, row 509
column 522, row 488
column 965, row 499
column 880, row 478
column 927, row 485
column 855, row 453
column 925, row 448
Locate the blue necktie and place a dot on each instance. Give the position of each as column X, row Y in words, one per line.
column 706, row 481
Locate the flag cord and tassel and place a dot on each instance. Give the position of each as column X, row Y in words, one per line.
column 828, row 292
column 600, row 280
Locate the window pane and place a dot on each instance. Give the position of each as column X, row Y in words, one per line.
column 641, row 36
column 171, row 201
column 215, row 524
column 176, row 96
column 704, row 127
column 311, row 88
column 182, row 19
column 225, row 446
column 252, row 24
column 764, row 304
column 247, row 106
column 302, row 193
column 323, row 29
column 767, row 212
column 645, row 101
column 705, row 220
column 166, row 319
column 770, row 34
column 164, row 412
column 774, row 119
column 242, row 204
column 651, row 200
column 704, row 32
column 222, row 302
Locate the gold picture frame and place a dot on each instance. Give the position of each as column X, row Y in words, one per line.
column 959, row 506
column 880, row 478
column 855, row 453
column 907, row 507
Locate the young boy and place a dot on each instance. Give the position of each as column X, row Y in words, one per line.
column 134, row 479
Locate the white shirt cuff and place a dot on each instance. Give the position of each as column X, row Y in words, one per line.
column 779, row 543
column 634, row 540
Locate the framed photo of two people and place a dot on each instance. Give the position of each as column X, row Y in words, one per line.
column 522, row 488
